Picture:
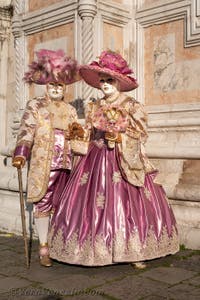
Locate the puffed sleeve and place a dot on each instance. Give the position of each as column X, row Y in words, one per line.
column 26, row 132
column 137, row 127
column 89, row 110
column 132, row 159
column 73, row 114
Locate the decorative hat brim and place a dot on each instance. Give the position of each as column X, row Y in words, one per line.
column 41, row 80
column 91, row 76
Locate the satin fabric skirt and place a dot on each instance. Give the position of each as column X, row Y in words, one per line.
column 56, row 184
column 102, row 219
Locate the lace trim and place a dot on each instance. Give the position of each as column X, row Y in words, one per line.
column 95, row 252
column 89, row 253
column 41, row 214
column 150, row 249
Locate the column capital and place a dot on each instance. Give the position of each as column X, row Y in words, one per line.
column 5, row 3
column 5, row 17
column 87, row 8
column 5, row 12
column 17, row 26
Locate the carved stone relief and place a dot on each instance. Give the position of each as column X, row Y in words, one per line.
column 158, row 12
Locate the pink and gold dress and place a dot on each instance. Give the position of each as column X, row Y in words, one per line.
column 111, row 210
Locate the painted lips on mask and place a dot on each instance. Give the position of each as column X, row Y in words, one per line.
column 108, row 85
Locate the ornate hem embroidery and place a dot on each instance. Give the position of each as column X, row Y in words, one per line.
column 41, row 214
column 97, row 253
column 150, row 249
column 89, row 253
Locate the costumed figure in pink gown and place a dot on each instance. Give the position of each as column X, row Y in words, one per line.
column 111, row 210
column 43, row 138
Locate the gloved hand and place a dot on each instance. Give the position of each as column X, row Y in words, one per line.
column 76, row 131
column 18, row 162
column 113, row 137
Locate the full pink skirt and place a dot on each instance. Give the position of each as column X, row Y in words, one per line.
column 102, row 219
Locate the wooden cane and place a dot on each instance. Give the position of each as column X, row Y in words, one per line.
column 23, row 218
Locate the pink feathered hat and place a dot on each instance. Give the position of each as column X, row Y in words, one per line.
column 52, row 66
column 113, row 64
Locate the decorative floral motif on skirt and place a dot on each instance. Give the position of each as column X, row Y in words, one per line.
column 84, row 178
column 128, row 227
column 94, row 252
column 116, row 177
column 100, row 200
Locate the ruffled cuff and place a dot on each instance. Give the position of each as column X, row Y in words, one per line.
column 22, row 150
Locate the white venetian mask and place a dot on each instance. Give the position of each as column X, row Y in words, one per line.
column 108, row 85
column 55, row 91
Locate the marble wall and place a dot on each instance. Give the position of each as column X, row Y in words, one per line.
column 112, row 37
column 172, row 73
column 36, row 5
column 170, row 36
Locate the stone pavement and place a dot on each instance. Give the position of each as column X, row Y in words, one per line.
column 172, row 278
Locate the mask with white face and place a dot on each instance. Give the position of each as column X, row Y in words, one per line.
column 108, row 85
column 55, row 91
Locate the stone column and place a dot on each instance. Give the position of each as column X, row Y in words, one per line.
column 10, row 116
column 87, row 10
column 5, row 28
column 19, row 40
column 20, row 92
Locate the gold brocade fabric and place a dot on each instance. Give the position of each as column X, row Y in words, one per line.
column 94, row 252
column 133, row 160
column 59, row 114
column 37, row 132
